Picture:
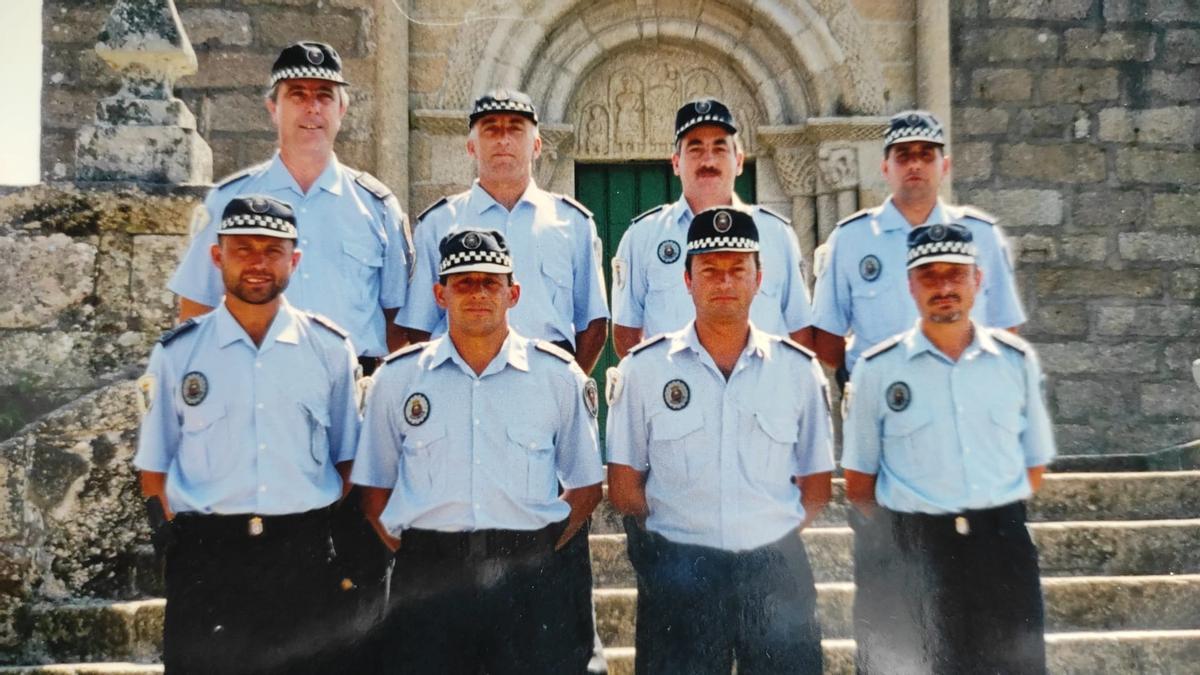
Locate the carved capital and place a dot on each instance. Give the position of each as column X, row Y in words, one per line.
column 797, row 169
column 838, row 168
column 558, row 140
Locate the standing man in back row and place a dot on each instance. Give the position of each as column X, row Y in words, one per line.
column 649, row 295
column 861, row 287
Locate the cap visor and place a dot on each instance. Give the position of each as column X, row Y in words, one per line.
column 913, row 139
column 259, row 231
column 724, row 249
column 727, row 127
column 486, row 268
column 956, row 258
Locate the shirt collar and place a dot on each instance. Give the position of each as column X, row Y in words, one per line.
column 757, row 344
column 513, row 352
column 916, row 342
column 284, row 327
column 481, row 200
column 279, row 178
column 890, row 217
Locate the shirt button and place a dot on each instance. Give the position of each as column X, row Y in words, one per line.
column 262, row 488
column 262, row 446
column 476, row 383
column 305, row 276
column 477, row 462
column 960, row 408
column 259, row 406
column 476, row 422
column 258, row 364
column 304, row 241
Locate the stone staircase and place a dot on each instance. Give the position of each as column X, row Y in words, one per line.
column 1120, row 556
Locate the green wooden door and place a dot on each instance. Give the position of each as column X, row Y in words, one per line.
column 616, row 193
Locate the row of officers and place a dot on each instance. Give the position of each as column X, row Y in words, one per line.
column 432, row 517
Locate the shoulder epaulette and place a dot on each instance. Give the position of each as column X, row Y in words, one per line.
column 575, row 203
column 404, row 351
column 373, row 185
column 233, row 177
column 854, row 216
column 554, row 350
column 885, row 346
column 1009, row 340
column 647, row 342
column 808, row 353
column 329, row 323
column 431, row 207
column 654, row 210
column 977, row 214
column 773, row 213
column 175, row 332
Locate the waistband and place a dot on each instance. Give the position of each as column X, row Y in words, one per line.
column 967, row 522
column 245, row 526
column 482, row 543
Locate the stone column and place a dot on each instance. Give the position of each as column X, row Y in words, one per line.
column 391, row 99
column 143, row 133
column 933, row 66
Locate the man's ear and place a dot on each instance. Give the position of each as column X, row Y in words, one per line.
column 439, row 295
column 214, row 253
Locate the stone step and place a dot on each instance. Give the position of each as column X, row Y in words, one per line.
column 1075, row 548
column 1143, row 652
column 1067, row 496
column 1160, row 602
column 99, row 631
column 87, row 669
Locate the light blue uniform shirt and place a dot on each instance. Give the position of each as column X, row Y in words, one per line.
column 862, row 276
column 648, row 288
column 556, row 259
column 720, row 455
column 946, row 436
column 245, row 429
column 465, row 452
column 356, row 248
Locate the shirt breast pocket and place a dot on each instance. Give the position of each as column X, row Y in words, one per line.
column 534, row 448
column 881, row 312
column 317, row 417
column 770, row 441
column 1007, row 425
column 424, row 461
column 674, row 452
column 361, row 269
column 666, row 296
column 205, row 447
column 557, row 267
column 909, row 445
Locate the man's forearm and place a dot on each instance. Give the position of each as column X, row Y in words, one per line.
column 590, row 343
column 830, row 348
column 154, row 484
column 625, row 338
column 583, row 502
column 373, row 502
column 397, row 337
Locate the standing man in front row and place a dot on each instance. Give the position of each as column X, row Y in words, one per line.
column 649, row 294
column 946, row 437
column 720, row 447
column 248, row 432
column 466, row 440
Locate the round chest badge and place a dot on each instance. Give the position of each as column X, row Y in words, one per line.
column 722, row 222
column 195, row 388
column 898, row 396
column 314, row 55
column 591, row 397
column 676, row 394
column 869, row 268
column 416, row 409
column 668, row 251
column 471, row 240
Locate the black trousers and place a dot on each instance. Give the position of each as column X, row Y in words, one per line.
column 701, row 609
column 243, row 603
column 933, row 599
column 492, row 601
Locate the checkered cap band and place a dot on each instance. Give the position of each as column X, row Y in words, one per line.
column 919, row 132
column 245, row 223
column 723, row 244
column 941, row 251
column 503, row 106
column 459, row 259
column 306, row 73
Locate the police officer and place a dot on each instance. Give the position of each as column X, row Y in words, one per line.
column 357, row 248
column 720, row 447
column 555, row 249
column 247, row 436
column 649, row 296
column 465, row 442
column 861, row 290
column 946, row 437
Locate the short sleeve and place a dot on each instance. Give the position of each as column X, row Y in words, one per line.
column 197, row 278
column 577, row 448
column 377, row 460
column 861, row 443
column 1037, row 441
column 831, row 309
column 420, row 310
column 626, row 433
column 814, row 447
column 160, row 431
column 398, row 256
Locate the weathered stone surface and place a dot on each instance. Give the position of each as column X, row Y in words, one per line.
column 1011, row 44
column 1185, row 284
column 1000, row 85
column 281, row 27
column 1175, row 209
column 1068, row 163
column 1085, row 248
column 155, row 257
column 1107, row 209
column 1054, row 122
column 1158, row 166
column 1079, row 85
column 1032, row 9
column 1183, row 45
column 1180, row 398
column 1147, row 321
column 972, row 161
column 1077, row 400
column 1085, row 44
column 1089, row 358
column 52, row 359
column 217, row 26
column 980, row 121
column 1159, row 247
column 1179, row 124
column 1175, row 86
column 1020, row 208
column 1059, row 320
column 1033, row 248
column 41, row 276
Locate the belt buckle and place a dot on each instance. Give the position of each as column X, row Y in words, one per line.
column 255, row 526
column 962, row 525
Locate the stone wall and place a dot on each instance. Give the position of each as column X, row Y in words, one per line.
column 1077, row 122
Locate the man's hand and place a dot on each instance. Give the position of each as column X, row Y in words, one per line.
column 583, row 502
column 373, row 502
column 860, row 491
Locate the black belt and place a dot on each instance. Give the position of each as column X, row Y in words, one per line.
column 968, row 522
column 482, row 543
column 250, row 525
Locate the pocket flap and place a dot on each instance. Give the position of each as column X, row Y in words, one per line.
column 1006, row 419
column 906, row 423
column 530, row 438
column 779, row 428
column 369, row 256
column 420, row 438
column 319, row 412
column 675, row 424
column 199, row 419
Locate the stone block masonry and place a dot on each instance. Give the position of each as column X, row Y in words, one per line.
column 1090, row 111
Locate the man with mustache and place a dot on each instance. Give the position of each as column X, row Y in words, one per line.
column 946, row 436
column 649, row 295
column 465, row 442
column 720, row 451
column 249, row 424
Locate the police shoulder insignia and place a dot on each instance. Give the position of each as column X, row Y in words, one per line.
column 820, row 260
column 147, row 389
column 432, row 207
column 898, row 396
column 978, row 214
column 406, row 350
column 882, row 347
column 647, row 342
column 574, row 203
column 796, row 346
column 618, row 273
column 194, row 388
column 676, row 394
column 329, row 324
column 551, row 348
column 648, row 212
column 234, row 177
column 175, row 332
column 416, row 409
column 362, row 387
column 591, row 397
column 855, row 216
column 869, row 268
column 780, row 216
column 373, row 185
column 668, row 251
column 612, row 385
column 1009, row 340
